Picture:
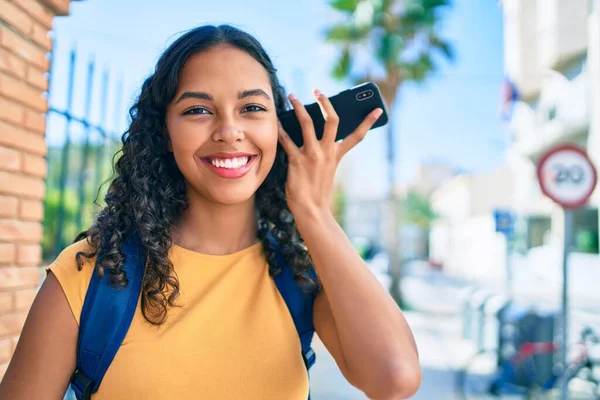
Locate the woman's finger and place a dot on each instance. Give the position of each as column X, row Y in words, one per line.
column 359, row 133
column 331, row 118
column 286, row 142
column 306, row 123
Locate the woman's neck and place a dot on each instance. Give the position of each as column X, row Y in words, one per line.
column 218, row 229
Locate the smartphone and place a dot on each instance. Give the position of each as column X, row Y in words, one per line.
column 352, row 106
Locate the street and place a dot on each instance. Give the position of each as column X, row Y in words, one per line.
column 437, row 327
column 437, row 331
column 441, row 351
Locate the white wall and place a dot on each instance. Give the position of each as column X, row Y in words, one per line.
column 542, row 40
column 594, row 73
column 527, row 197
column 520, row 44
column 491, row 190
column 452, row 200
column 439, row 241
column 464, row 239
column 562, row 30
column 479, row 250
column 470, row 249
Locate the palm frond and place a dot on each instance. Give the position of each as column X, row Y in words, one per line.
column 346, row 6
column 390, row 48
column 346, row 33
column 433, row 4
column 418, row 69
column 343, row 65
column 401, row 34
column 445, row 47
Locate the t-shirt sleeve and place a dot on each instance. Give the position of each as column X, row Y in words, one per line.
column 74, row 282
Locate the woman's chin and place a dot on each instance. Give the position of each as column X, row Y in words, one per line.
column 232, row 195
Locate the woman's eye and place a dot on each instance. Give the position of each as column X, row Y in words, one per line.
column 253, row 108
column 196, row 111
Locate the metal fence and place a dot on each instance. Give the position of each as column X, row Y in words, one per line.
column 79, row 165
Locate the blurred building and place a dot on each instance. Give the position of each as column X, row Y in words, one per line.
column 463, row 239
column 431, row 175
column 367, row 217
column 552, row 51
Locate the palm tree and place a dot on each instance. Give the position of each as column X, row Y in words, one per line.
column 418, row 210
column 401, row 40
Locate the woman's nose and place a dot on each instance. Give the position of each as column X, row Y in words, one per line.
column 228, row 132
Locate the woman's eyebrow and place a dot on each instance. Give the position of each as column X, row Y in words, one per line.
column 208, row 96
column 253, row 92
column 195, row 95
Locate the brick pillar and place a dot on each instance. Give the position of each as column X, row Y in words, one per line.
column 24, row 44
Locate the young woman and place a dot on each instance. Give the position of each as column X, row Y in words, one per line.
column 206, row 172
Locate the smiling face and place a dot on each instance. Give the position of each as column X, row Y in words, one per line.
column 222, row 125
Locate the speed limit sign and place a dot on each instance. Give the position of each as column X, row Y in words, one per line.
column 567, row 176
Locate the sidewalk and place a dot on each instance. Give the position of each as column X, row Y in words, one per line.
column 432, row 292
column 438, row 292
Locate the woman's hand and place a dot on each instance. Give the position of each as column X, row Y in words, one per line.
column 357, row 320
column 312, row 167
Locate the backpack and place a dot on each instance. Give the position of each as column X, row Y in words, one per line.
column 108, row 311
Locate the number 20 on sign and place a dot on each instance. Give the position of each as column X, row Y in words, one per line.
column 567, row 176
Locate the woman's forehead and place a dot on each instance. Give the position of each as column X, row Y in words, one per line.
column 223, row 68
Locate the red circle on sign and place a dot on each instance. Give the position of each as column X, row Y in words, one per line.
column 569, row 147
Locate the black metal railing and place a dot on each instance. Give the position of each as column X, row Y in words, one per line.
column 78, row 166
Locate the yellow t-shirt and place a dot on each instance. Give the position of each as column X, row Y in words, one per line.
column 232, row 338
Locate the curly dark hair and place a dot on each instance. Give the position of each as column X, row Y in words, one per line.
column 147, row 194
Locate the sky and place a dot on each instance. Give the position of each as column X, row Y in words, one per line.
column 453, row 117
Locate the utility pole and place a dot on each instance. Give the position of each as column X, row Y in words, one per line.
column 394, row 244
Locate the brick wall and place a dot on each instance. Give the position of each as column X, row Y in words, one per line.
column 24, row 46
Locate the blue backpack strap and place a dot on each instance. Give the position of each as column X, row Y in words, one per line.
column 300, row 305
column 105, row 318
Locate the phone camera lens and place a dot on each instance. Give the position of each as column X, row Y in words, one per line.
column 364, row 95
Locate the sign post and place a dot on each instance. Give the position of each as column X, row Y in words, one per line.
column 505, row 224
column 567, row 177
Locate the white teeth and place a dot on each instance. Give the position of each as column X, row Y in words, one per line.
column 230, row 163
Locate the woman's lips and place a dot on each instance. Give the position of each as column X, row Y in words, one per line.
column 230, row 173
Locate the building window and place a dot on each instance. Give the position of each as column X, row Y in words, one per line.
column 585, row 231
column 538, row 231
column 551, row 113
